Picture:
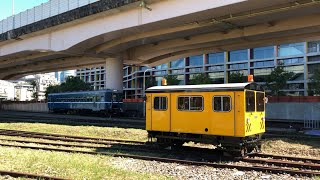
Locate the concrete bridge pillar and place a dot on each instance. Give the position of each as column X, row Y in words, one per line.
column 114, row 73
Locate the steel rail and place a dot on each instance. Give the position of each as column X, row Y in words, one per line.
column 68, row 138
column 311, row 166
column 180, row 161
column 28, row 175
column 284, row 157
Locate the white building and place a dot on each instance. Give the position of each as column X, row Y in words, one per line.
column 7, row 92
column 23, row 91
column 43, row 81
column 61, row 76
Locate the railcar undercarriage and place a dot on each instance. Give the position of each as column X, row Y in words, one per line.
column 236, row 146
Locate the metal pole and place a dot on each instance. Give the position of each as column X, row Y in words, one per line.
column 12, row 7
column 143, row 91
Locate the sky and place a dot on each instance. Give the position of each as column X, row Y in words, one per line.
column 19, row 6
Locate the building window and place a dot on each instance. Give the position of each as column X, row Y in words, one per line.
column 250, row 102
column 177, row 64
column 313, row 58
column 196, row 60
column 291, row 61
column 162, row 66
column 260, row 101
column 160, row 73
column 313, row 46
column 262, row 64
column 190, row 103
column 238, row 66
column 240, row 55
column 160, row 103
column 216, row 68
column 260, row 75
column 194, row 70
column 221, row 103
column 216, row 58
column 312, row 68
column 298, row 72
column 263, row 52
column 291, row 49
column 177, row 71
column 217, row 77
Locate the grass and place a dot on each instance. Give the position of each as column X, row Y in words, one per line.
column 91, row 131
column 65, row 165
column 68, row 165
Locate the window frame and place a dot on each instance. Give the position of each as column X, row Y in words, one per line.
column 184, row 96
column 159, row 102
column 221, row 97
column 264, row 104
column 254, row 101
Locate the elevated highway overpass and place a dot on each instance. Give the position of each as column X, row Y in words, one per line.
column 151, row 32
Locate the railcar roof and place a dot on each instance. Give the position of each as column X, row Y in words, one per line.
column 206, row 87
column 84, row 92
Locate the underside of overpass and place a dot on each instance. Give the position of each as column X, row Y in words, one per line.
column 87, row 41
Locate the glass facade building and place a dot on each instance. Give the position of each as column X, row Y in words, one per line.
column 301, row 58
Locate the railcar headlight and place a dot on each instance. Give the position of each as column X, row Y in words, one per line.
column 248, row 120
column 263, row 119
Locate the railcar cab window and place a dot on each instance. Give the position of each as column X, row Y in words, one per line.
column 190, row 103
column 160, row 103
column 221, row 103
column 250, row 101
column 260, row 101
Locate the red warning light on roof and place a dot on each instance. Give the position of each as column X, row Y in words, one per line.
column 250, row 78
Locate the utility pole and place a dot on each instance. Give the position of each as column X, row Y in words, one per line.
column 12, row 7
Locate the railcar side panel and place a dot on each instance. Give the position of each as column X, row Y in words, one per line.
column 161, row 112
column 188, row 112
column 254, row 112
column 149, row 112
column 239, row 114
column 222, row 113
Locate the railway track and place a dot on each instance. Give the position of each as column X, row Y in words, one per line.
column 72, row 120
column 257, row 161
column 28, row 175
column 66, row 138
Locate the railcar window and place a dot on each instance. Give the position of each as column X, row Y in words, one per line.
column 250, row 102
column 190, row 103
column 160, row 103
column 260, row 101
column 221, row 103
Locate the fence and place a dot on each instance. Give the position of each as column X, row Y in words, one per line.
column 43, row 11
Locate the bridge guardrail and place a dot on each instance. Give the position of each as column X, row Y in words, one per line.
column 38, row 13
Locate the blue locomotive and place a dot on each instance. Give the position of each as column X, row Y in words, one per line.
column 104, row 101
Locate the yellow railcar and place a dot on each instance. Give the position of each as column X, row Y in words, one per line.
column 231, row 116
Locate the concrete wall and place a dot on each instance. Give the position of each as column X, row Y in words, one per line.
column 29, row 107
column 285, row 111
column 293, row 111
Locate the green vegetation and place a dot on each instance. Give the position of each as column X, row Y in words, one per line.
column 277, row 80
column 200, row 79
column 91, row 131
column 172, row 79
column 236, row 77
column 65, row 165
column 72, row 84
column 314, row 86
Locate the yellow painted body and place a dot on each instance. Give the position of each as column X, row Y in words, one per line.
column 236, row 122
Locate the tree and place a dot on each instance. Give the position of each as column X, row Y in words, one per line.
column 72, row 84
column 200, row 79
column 172, row 79
column 236, row 77
column 35, row 94
column 314, row 86
column 150, row 81
column 277, row 80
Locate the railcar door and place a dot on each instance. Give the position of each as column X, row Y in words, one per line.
column 160, row 116
column 222, row 113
